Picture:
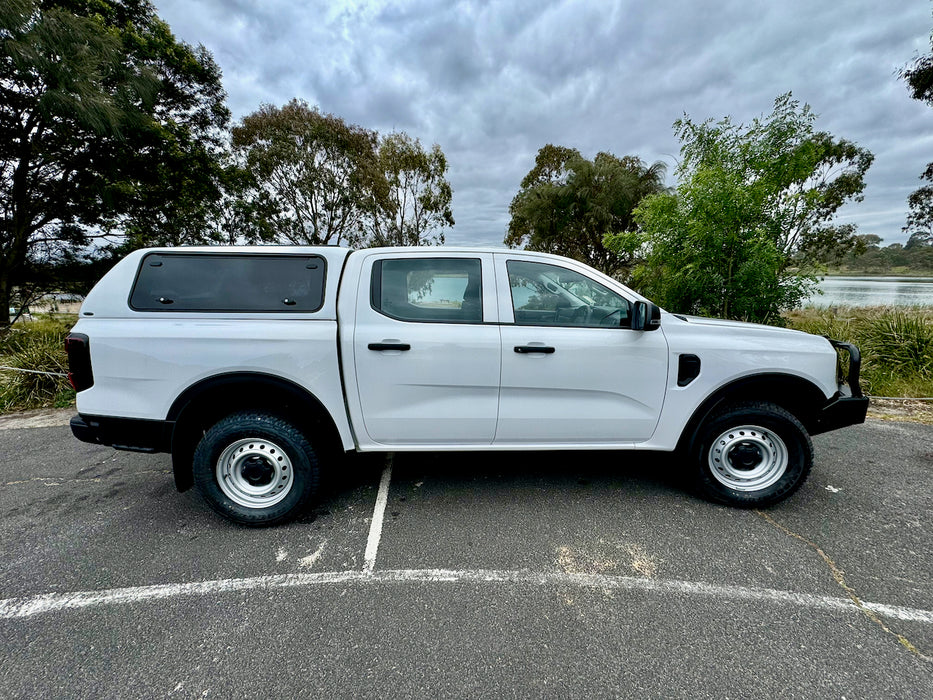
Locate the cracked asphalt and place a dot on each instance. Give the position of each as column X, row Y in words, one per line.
column 497, row 575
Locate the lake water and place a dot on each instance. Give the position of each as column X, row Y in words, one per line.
column 874, row 291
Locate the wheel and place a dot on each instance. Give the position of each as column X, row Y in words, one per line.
column 255, row 468
column 751, row 454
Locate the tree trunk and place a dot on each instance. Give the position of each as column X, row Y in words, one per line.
column 17, row 229
column 4, row 300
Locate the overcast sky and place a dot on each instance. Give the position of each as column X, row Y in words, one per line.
column 492, row 82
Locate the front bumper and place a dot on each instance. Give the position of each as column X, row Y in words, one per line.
column 849, row 406
column 841, row 411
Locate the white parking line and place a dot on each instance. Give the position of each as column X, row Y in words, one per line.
column 56, row 602
column 375, row 528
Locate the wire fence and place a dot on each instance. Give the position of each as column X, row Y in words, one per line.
column 34, row 371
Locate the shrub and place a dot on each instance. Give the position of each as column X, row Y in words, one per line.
column 37, row 345
column 901, row 341
column 896, row 344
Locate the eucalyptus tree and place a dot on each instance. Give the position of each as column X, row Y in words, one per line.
column 314, row 179
column 419, row 193
column 570, row 205
column 919, row 77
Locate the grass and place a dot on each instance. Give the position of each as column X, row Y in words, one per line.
column 896, row 344
column 36, row 345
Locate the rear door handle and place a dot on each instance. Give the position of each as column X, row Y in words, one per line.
column 526, row 349
column 389, row 346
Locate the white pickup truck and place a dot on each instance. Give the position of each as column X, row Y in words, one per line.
column 254, row 366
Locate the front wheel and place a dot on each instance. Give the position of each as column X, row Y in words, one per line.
column 255, row 468
column 751, row 454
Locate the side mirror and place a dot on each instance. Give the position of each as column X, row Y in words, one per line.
column 646, row 316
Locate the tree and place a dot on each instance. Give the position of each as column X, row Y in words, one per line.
column 569, row 205
column 751, row 216
column 539, row 220
column 920, row 217
column 101, row 111
column 419, row 193
column 314, row 179
column 919, row 77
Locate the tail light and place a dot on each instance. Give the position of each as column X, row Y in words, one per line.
column 78, row 348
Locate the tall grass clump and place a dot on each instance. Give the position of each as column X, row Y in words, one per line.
column 896, row 344
column 35, row 345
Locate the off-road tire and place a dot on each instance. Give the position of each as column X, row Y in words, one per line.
column 268, row 467
column 751, row 454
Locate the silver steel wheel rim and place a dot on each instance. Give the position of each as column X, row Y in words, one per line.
column 255, row 473
column 748, row 458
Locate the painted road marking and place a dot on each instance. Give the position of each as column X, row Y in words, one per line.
column 375, row 528
column 56, row 602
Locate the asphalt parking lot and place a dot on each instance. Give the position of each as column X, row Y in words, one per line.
column 468, row 575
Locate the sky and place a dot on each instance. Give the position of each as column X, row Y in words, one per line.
column 492, row 82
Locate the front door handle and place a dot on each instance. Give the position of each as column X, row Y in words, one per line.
column 526, row 349
column 389, row 346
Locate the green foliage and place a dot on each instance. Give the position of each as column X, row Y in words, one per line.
column 903, row 341
column 305, row 177
column 36, row 345
column 314, row 179
column 108, row 125
column 751, row 216
column 920, row 214
column 914, row 258
column 896, row 344
column 919, row 78
column 571, row 206
column 419, row 193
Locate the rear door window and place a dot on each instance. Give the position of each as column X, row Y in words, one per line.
column 229, row 283
column 439, row 290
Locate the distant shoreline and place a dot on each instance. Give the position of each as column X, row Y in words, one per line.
column 882, row 273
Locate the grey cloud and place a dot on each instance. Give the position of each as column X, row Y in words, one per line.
column 492, row 82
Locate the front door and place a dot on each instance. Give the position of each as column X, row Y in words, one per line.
column 573, row 370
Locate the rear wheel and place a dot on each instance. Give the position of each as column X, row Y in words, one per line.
column 751, row 454
column 255, row 468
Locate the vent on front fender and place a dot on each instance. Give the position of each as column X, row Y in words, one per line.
column 688, row 369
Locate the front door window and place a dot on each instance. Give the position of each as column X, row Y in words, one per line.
column 548, row 295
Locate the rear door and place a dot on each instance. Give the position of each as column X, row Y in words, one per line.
column 573, row 370
column 426, row 348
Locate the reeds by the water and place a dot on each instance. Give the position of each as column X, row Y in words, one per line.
column 896, row 344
